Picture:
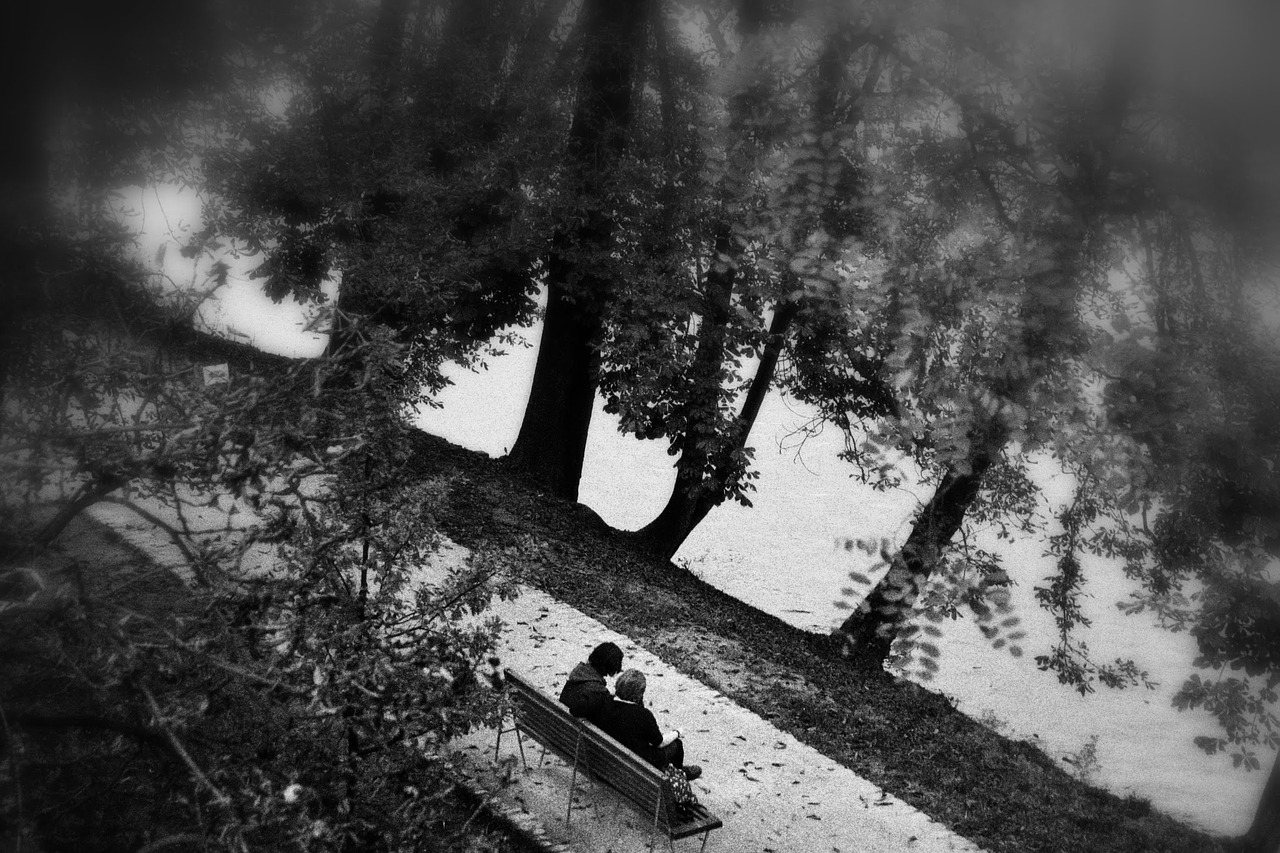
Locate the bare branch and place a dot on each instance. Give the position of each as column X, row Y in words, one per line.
column 180, row 750
column 174, row 535
column 174, row 840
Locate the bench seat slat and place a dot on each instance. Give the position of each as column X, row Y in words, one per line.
column 693, row 821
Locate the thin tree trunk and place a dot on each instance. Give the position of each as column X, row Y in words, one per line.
column 1264, row 834
column 870, row 630
column 703, row 481
column 553, row 435
column 1050, row 330
column 386, row 48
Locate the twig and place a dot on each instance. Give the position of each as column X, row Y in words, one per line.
column 99, row 432
column 462, row 831
column 442, row 607
column 171, row 840
column 90, row 493
column 218, row 662
column 90, row 721
column 222, row 799
column 174, row 536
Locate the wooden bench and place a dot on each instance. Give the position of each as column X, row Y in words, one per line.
column 596, row 754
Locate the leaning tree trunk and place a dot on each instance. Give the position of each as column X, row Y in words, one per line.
column 705, row 478
column 869, row 631
column 553, row 434
column 702, row 480
column 701, row 477
column 1050, row 330
column 1264, row 835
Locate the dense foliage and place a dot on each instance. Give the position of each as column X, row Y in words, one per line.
column 300, row 688
column 977, row 237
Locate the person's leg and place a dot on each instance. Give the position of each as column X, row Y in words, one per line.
column 672, row 753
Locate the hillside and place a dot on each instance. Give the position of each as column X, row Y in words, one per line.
column 1005, row 795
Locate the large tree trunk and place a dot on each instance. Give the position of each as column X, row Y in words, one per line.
column 24, row 172
column 385, row 49
column 553, row 435
column 870, row 630
column 1264, row 835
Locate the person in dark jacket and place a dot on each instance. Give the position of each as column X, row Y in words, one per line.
column 586, row 694
column 630, row 723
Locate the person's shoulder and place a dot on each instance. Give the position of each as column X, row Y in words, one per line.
column 634, row 710
column 609, row 709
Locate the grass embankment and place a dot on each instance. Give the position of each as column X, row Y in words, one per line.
column 1003, row 794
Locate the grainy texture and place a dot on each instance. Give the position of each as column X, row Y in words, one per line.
column 1004, row 795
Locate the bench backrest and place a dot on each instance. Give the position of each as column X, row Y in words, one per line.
column 594, row 751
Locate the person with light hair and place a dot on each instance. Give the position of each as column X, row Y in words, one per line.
column 628, row 721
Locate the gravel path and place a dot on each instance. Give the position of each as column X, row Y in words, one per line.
column 772, row 792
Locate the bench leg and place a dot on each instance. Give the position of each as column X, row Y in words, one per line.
column 519, row 742
column 573, row 783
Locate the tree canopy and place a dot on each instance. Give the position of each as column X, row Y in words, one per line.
column 976, row 234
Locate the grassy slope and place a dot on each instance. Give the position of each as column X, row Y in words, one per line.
column 1003, row 794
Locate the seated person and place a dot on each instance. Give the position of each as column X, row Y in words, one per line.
column 586, row 694
column 628, row 721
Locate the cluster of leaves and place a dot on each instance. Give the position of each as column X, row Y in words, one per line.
column 300, row 690
column 1033, row 185
column 1070, row 658
column 971, row 583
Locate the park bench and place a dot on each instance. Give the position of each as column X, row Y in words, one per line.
column 599, row 756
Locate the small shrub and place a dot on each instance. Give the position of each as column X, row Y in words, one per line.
column 1084, row 762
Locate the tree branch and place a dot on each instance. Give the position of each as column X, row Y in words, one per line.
column 174, row 840
column 178, row 749
column 90, row 493
column 93, row 722
column 174, row 536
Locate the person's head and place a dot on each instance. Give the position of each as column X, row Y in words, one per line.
column 630, row 686
column 606, row 659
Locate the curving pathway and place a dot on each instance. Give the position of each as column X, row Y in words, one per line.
column 773, row 792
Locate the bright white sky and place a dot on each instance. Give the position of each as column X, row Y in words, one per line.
column 163, row 218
